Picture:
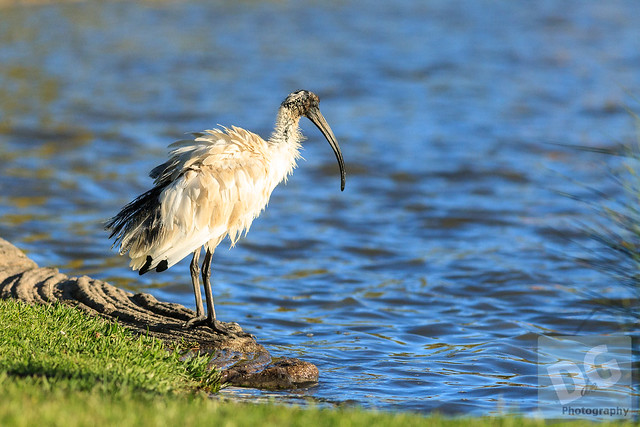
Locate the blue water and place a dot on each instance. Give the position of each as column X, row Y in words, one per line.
column 424, row 285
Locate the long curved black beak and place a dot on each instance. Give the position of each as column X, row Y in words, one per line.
column 317, row 118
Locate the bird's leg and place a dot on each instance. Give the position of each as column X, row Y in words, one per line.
column 195, row 272
column 195, row 280
column 208, row 292
column 209, row 320
column 215, row 324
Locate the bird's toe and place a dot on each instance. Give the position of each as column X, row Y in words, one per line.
column 228, row 328
column 222, row 328
column 196, row 321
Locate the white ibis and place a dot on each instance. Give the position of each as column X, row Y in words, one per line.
column 213, row 186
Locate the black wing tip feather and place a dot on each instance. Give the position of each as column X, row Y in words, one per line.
column 145, row 268
column 162, row 266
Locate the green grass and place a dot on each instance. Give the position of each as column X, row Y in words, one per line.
column 59, row 367
column 60, row 347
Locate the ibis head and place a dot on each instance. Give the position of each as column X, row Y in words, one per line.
column 305, row 103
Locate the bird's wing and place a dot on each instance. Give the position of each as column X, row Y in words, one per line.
column 212, row 186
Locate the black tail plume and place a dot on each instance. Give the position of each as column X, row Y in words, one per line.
column 138, row 220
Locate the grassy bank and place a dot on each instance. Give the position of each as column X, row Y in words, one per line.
column 61, row 367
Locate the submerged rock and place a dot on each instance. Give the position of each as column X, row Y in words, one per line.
column 242, row 361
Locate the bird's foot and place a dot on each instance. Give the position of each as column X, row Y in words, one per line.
column 196, row 321
column 218, row 326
